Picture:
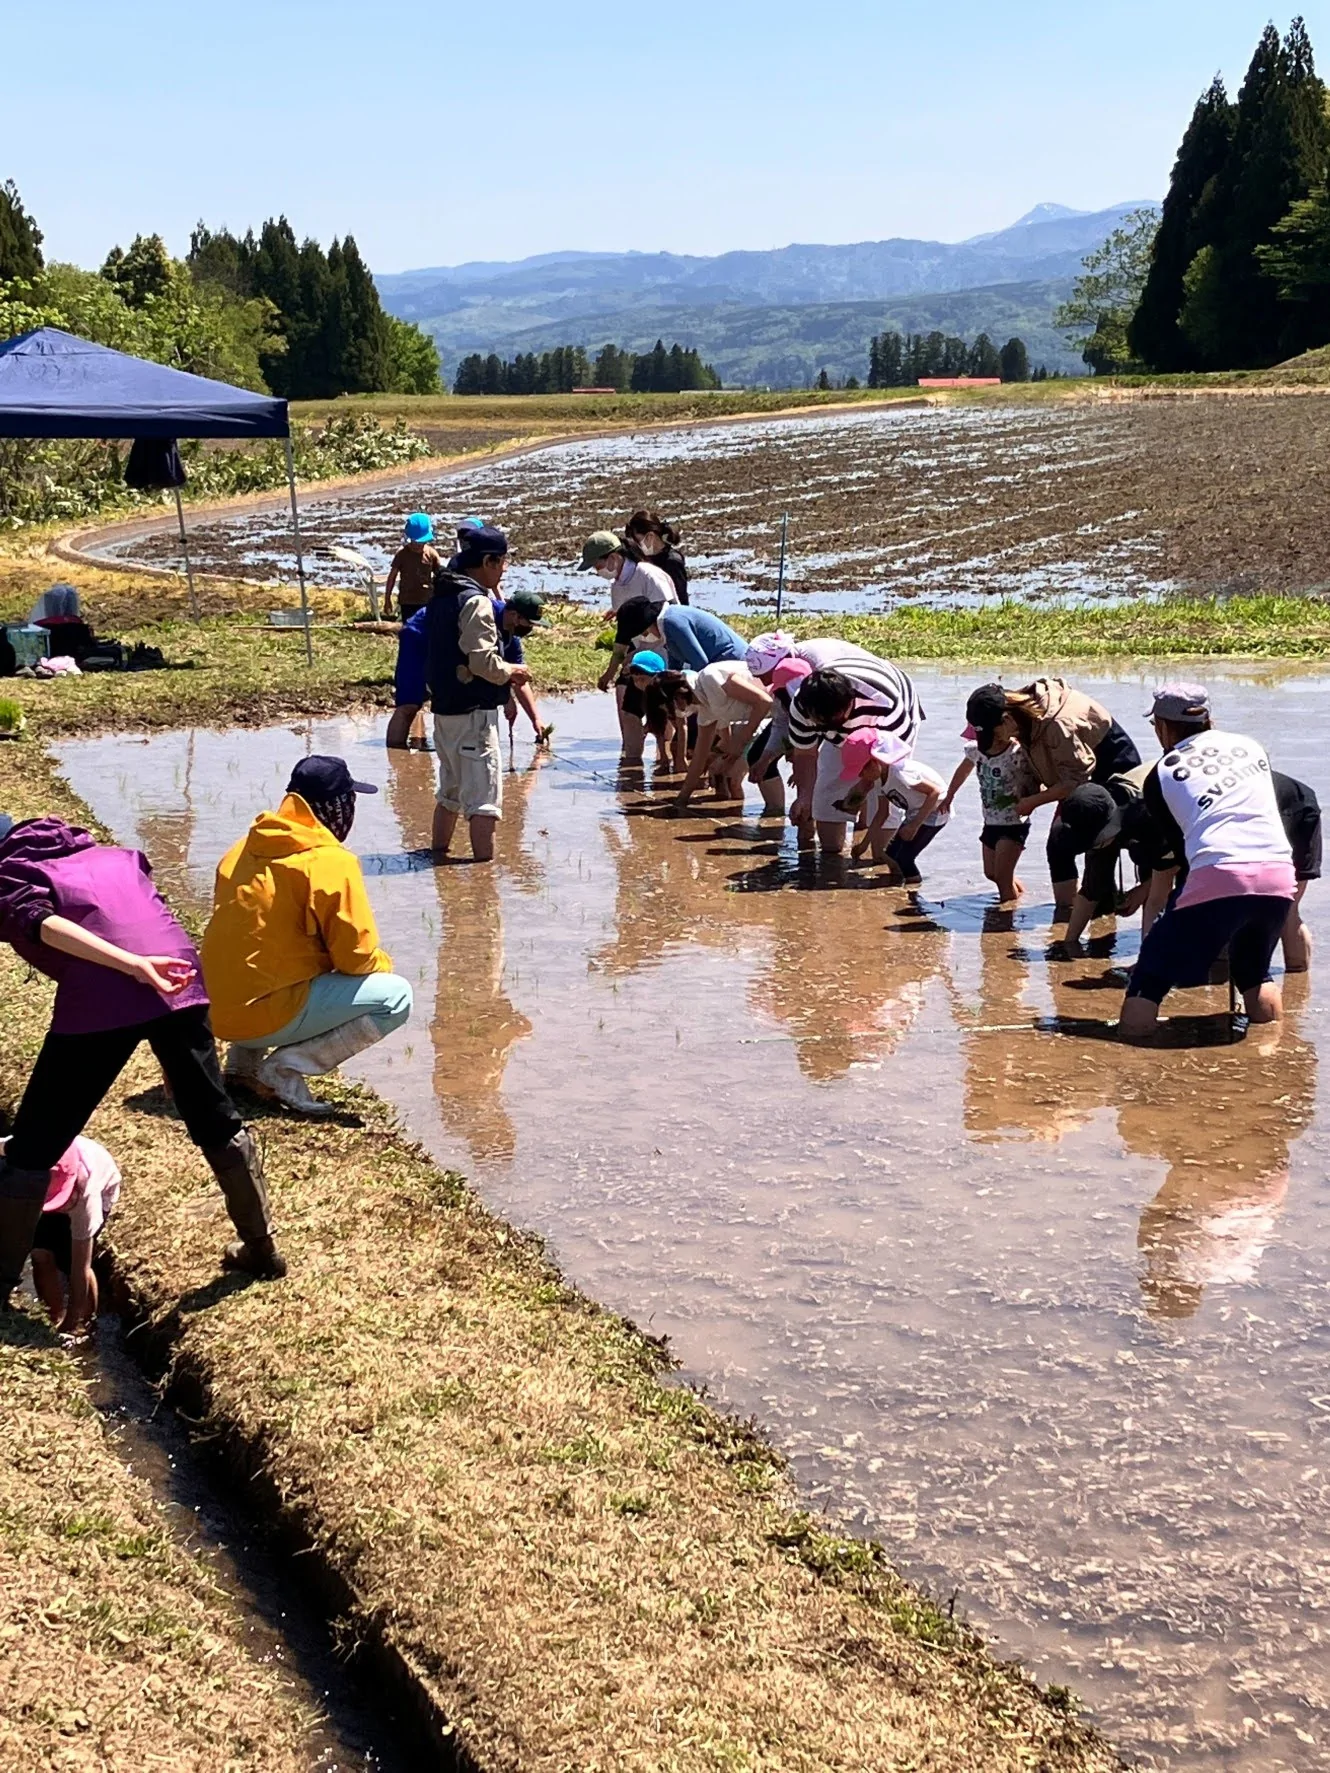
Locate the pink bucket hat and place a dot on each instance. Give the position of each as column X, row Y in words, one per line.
column 65, row 1178
column 790, row 671
column 861, row 748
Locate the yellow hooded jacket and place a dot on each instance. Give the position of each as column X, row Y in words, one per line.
column 289, row 904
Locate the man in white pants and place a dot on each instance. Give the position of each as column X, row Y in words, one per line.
column 469, row 683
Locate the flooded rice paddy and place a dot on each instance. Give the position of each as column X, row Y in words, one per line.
column 944, row 505
column 1047, row 1315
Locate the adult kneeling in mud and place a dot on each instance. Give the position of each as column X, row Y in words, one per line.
column 1069, row 739
column 1212, row 794
column 88, row 916
column 291, row 955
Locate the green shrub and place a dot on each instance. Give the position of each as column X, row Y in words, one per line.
column 44, row 482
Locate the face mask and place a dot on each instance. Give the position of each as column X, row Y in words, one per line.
column 338, row 814
column 605, row 571
column 651, row 544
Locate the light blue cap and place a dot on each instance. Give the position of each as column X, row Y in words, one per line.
column 649, row 663
column 418, row 528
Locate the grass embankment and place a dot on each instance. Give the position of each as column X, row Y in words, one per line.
column 580, row 1564
column 117, row 1649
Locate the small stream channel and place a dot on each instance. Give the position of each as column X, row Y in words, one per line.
column 280, row 1623
column 1044, row 1313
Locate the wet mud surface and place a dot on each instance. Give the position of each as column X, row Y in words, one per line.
column 945, row 505
column 1044, row 1313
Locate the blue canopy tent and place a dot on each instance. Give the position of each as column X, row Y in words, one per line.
column 55, row 385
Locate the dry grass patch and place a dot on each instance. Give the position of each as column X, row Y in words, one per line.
column 117, row 1648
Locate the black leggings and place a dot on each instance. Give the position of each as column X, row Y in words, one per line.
column 74, row 1072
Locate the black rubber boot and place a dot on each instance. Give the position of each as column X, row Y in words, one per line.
column 21, row 1195
column 238, row 1167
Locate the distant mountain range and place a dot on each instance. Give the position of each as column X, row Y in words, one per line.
column 775, row 317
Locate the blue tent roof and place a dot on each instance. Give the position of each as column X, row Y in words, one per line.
column 55, row 385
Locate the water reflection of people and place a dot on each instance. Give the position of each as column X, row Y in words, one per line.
column 840, row 976
column 1222, row 1118
column 475, row 1024
column 1228, row 1157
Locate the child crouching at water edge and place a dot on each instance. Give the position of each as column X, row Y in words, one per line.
column 80, row 1197
column 903, row 799
column 1006, row 777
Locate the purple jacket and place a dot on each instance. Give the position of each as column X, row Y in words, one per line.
column 49, row 869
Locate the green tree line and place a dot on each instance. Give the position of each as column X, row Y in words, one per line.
column 662, row 370
column 263, row 313
column 899, row 360
column 1234, row 271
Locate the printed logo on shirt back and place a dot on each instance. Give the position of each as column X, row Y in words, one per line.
column 1222, row 767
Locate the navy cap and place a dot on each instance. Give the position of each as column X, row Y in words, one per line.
column 475, row 541
column 325, row 778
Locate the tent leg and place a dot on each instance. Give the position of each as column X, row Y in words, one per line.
column 184, row 545
column 300, row 553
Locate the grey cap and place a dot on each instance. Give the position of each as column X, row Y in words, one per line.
column 1182, row 702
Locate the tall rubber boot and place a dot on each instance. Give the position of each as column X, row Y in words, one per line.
column 238, row 1167
column 22, row 1194
column 284, row 1071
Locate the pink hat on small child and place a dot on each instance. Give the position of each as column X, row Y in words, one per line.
column 790, row 671
column 65, row 1178
column 862, row 748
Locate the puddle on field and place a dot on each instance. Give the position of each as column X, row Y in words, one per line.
column 1044, row 1313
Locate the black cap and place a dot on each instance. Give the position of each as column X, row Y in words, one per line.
column 634, row 618
column 986, row 706
column 1091, row 815
column 325, row 778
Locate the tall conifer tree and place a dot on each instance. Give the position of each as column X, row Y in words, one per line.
column 1153, row 335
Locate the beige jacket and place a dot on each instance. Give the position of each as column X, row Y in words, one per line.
column 1059, row 729
column 478, row 638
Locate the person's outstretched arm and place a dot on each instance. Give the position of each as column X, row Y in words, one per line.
column 164, row 973
column 960, row 776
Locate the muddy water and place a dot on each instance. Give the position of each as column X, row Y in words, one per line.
column 944, row 505
column 1045, row 1314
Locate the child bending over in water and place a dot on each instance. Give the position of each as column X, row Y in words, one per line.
column 903, row 798
column 1006, row 777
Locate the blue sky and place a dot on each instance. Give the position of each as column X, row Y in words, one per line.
column 436, row 134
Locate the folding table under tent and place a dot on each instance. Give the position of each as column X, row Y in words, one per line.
column 55, row 385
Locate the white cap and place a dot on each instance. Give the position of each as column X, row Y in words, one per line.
column 766, row 651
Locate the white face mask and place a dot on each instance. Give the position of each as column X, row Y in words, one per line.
column 607, row 569
column 650, row 544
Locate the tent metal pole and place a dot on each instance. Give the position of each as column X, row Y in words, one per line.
column 300, row 553
column 184, row 545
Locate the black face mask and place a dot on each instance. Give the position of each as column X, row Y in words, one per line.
column 338, row 814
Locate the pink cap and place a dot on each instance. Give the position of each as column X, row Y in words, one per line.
column 65, row 1178
column 790, row 671
column 969, row 733
column 856, row 754
column 869, row 746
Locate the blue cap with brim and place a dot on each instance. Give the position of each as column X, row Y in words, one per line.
column 418, row 527
column 6, row 826
column 649, row 663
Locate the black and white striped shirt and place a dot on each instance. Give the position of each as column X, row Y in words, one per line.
column 884, row 699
